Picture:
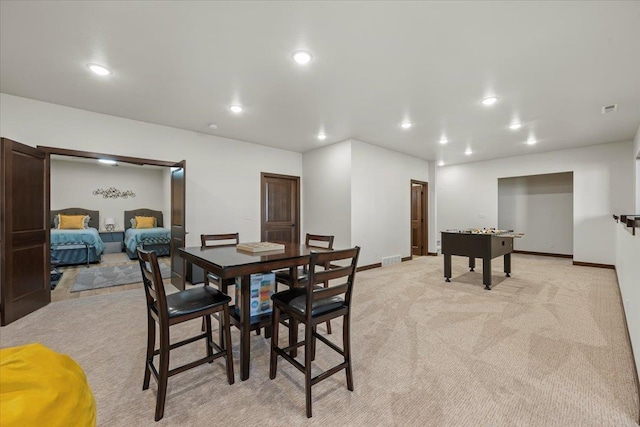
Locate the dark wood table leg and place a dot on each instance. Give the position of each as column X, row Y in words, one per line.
column 245, row 327
column 447, row 267
column 507, row 264
column 472, row 263
column 486, row 272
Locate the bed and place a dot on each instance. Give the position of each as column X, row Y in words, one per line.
column 155, row 238
column 72, row 247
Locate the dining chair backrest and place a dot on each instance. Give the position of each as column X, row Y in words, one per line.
column 153, row 285
column 319, row 241
column 219, row 239
column 337, row 271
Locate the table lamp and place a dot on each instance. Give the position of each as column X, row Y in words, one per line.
column 109, row 224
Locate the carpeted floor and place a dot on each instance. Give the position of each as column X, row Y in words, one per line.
column 104, row 277
column 546, row 347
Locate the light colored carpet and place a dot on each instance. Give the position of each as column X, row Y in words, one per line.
column 104, row 277
column 546, row 347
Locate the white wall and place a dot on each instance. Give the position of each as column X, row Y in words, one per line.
column 628, row 271
column 541, row 206
column 636, row 181
column 381, row 200
column 73, row 183
column 223, row 175
column 602, row 184
column 326, row 187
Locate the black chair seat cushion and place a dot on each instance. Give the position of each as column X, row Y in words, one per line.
column 296, row 299
column 285, row 277
column 194, row 300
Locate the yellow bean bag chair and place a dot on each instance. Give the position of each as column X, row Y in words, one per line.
column 40, row 387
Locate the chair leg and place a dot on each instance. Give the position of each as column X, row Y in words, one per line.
column 163, row 371
column 226, row 324
column 347, row 349
column 151, row 343
column 308, row 344
column 326, row 285
column 273, row 365
column 313, row 342
column 205, row 283
column 207, row 323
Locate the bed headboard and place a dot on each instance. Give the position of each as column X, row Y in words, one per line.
column 94, row 216
column 128, row 215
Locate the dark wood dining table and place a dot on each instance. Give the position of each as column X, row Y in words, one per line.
column 228, row 262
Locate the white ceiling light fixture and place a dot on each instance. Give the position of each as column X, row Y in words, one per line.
column 443, row 140
column 302, row 57
column 107, row 161
column 515, row 126
column 213, row 126
column 322, row 136
column 406, row 125
column 490, row 100
column 441, row 163
column 99, row 69
column 468, row 152
column 235, row 109
column 531, row 141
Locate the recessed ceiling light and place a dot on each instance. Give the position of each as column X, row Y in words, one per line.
column 531, row 141
column 236, row 109
column 107, row 161
column 406, row 125
column 322, row 136
column 441, row 163
column 443, row 140
column 99, row 69
column 302, row 57
column 490, row 100
column 213, row 126
column 468, row 152
column 515, row 126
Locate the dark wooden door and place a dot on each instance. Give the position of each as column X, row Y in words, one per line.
column 280, row 201
column 24, row 231
column 178, row 232
column 418, row 218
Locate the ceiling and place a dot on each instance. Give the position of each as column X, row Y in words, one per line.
column 552, row 65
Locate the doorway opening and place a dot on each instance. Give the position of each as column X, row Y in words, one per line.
column 419, row 222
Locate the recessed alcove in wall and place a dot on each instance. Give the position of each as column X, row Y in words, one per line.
column 541, row 206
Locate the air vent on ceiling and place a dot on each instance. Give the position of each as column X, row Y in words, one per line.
column 609, row 108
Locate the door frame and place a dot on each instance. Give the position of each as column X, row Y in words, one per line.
column 124, row 159
column 263, row 199
column 425, row 217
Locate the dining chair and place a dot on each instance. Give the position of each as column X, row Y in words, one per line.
column 209, row 240
column 167, row 310
column 284, row 276
column 213, row 240
column 314, row 304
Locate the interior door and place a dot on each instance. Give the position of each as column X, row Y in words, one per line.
column 178, row 232
column 280, row 211
column 24, row 231
column 418, row 218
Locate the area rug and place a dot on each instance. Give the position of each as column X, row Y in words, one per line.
column 104, row 277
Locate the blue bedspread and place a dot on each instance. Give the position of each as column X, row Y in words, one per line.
column 70, row 237
column 133, row 237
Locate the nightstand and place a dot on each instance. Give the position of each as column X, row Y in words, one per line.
column 113, row 241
